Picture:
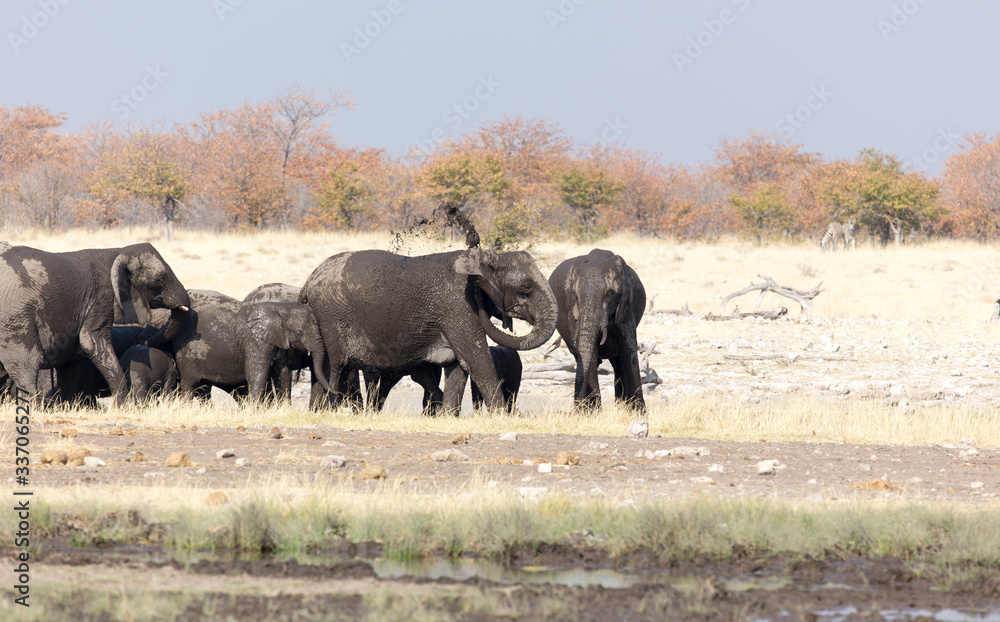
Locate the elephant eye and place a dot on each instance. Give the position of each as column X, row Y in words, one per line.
column 522, row 296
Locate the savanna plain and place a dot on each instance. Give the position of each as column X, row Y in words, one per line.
column 841, row 463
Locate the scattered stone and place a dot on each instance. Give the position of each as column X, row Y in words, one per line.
column 154, row 474
column 177, row 459
column 461, row 438
column 568, row 458
column 528, row 462
column 374, row 471
column 116, row 432
column 449, row 455
column 864, row 467
column 968, row 453
column 716, row 468
column 544, row 467
column 767, row 467
column 649, row 454
column 702, row 479
column 93, row 461
column 68, row 433
column 201, row 471
column 333, row 462
column 275, row 433
column 314, row 437
column 976, row 485
column 532, row 492
column 689, row 451
column 508, row 436
column 225, row 453
column 139, row 457
column 638, row 428
column 334, row 444
column 216, row 498
column 241, row 428
column 54, row 456
column 811, row 482
column 597, row 446
column 916, row 480
column 242, row 462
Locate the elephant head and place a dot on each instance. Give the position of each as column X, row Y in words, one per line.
column 603, row 292
column 506, row 286
column 142, row 281
column 291, row 326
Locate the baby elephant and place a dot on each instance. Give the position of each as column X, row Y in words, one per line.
column 147, row 372
column 508, row 365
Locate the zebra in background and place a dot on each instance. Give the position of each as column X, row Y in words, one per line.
column 838, row 231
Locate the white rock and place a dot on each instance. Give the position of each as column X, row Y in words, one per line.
column 449, row 455
column 333, row 444
column 976, row 485
column 702, row 479
column 201, row 471
column 528, row 462
column 154, row 474
column 225, row 453
column 686, row 451
column 597, row 446
column 545, row 467
column 811, row 482
column 767, row 467
column 94, row 461
column 508, row 436
column 916, row 480
column 966, row 453
column 243, row 462
column 333, row 462
column 716, row 468
column 638, row 428
column 532, row 492
column 864, row 467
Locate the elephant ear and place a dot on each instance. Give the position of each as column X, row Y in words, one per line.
column 625, row 300
column 481, row 263
column 129, row 303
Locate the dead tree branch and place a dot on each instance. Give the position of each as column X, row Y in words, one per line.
column 772, row 314
column 804, row 298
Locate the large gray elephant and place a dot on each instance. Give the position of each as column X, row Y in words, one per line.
column 59, row 307
column 274, row 292
column 239, row 347
column 601, row 301
column 389, row 312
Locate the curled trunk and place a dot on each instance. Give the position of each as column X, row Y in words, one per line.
column 542, row 328
column 179, row 318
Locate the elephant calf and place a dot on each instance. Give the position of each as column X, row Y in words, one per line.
column 147, row 372
column 601, row 301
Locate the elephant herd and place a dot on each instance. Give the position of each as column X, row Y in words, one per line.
column 118, row 322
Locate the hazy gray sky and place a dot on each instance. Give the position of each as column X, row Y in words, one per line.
column 905, row 76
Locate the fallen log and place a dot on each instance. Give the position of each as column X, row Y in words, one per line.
column 787, row 358
column 804, row 298
column 683, row 311
column 772, row 314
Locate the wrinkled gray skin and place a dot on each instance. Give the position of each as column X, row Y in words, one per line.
column 601, row 301
column 274, row 292
column 378, row 310
column 57, row 308
column 238, row 346
column 147, row 372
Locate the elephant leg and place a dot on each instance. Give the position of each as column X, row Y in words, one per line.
column 24, row 372
column 378, row 384
column 477, row 396
column 455, row 378
column 98, row 348
column 428, row 376
column 628, row 380
column 473, row 353
column 257, row 370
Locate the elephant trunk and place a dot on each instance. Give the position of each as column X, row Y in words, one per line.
column 543, row 324
column 179, row 318
column 318, row 351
